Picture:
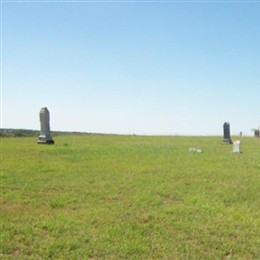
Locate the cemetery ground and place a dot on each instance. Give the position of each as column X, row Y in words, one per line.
column 129, row 197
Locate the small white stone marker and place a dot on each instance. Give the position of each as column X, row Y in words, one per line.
column 236, row 147
column 195, row 150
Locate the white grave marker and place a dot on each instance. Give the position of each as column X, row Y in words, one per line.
column 236, row 147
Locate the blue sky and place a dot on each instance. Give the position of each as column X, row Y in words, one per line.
column 155, row 67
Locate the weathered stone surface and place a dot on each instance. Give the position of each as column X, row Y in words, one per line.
column 45, row 136
column 226, row 137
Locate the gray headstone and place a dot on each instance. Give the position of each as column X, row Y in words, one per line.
column 236, row 147
column 226, row 137
column 257, row 133
column 45, row 136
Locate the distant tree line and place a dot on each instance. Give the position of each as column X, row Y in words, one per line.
column 9, row 132
column 18, row 132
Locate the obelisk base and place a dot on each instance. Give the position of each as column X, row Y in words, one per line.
column 44, row 140
column 227, row 141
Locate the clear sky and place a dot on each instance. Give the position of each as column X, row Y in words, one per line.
column 143, row 67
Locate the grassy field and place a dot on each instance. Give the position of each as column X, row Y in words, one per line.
column 129, row 197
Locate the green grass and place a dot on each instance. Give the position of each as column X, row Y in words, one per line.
column 129, row 197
